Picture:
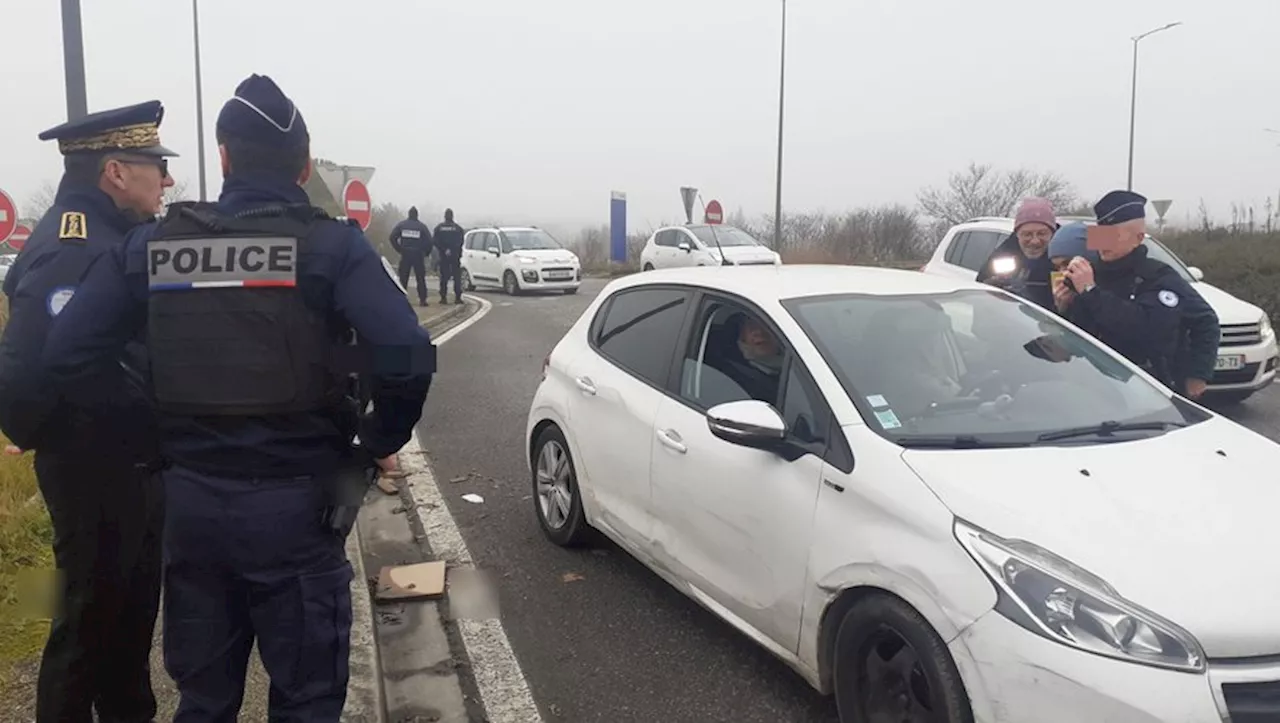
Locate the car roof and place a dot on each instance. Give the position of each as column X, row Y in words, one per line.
column 802, row 280
column 504, row 228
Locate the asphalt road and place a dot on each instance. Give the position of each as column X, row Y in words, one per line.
column 599, row 637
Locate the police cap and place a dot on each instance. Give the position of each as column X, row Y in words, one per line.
column 261, row 113
column 1118, row 207
column 133, row 129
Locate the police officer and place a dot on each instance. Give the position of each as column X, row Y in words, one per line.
column 1137, row 305
column 96, row 454
column 412, row 240
column 448, row 239
column 245, row 304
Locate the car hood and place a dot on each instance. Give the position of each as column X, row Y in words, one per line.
column 746, row 253
column 1184, row 524
column 548, row 256
column 1230, row 310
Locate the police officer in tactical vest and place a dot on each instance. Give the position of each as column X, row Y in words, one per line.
column 246, row 305
column 449, row 251
column 96, row 454
column 412, row 240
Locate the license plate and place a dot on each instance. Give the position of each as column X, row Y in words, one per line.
column 1229, row 363
column 556, row 275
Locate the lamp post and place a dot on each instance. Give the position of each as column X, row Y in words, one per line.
column 1133, row 101
column 195, row 29
column 73, row 60
column 782, row 88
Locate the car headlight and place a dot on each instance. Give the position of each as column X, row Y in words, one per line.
column 526, row 259
column 1052, row 597
column 1266, row 329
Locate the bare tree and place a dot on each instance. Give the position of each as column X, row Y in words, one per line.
column 39, row 202
column 980, row 190
column 177, row 192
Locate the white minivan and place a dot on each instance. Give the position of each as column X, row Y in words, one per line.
column 1247, row 355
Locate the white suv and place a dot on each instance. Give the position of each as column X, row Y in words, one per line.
column 704, row 245
column 1247, row 354
column 518, row 258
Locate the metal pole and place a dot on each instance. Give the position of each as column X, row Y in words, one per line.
column 1133, row 111
column 73, row 60
column 195, row 27
column 782, row 89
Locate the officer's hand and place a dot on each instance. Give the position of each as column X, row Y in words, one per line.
column 1195, row 388
column 390, row 464
column 11, row 449
column 1062, row 296
column 1080, row 271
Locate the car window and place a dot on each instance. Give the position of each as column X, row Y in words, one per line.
column 975, row 364
column 1159, row 252
column 732, row 356
column 639, row 329
column 806, row 419
column 665, row 238
column 956, row 249
column 978, row 248
column 473, row 241
column 712, row 236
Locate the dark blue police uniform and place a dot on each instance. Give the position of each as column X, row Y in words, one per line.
column 412, row 240
column 448, row 241
column 1144, row 309
column 244, row 304
column 96, row 454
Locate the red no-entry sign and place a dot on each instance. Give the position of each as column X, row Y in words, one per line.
column 19, row 237
column 8, row 216
column 715, row 214
column 356, row 203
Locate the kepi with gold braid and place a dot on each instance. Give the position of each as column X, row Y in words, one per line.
column 133, row 129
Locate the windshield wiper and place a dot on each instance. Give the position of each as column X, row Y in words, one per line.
column 1107, row 429
column 952, row 441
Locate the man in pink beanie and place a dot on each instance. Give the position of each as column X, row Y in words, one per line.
column 1021, row 265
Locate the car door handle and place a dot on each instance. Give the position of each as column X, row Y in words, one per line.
column 671, row 440
column 586, row 385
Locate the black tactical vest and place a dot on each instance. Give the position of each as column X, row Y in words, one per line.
column 228, row 331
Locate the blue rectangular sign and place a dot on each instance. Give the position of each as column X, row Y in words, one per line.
column 618, row 227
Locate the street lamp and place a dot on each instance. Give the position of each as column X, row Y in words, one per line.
column 782, row 88
column 1133, row 102
column 73, row 60
column 195, row 28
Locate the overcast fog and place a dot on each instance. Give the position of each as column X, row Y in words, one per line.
column 535, row 111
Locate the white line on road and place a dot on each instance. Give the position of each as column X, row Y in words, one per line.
column 504, row 692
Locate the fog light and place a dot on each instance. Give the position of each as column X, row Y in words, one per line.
column 1271, row 363
column 530, row 276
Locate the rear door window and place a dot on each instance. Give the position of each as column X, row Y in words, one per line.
column 638, row 330
column 978, row 248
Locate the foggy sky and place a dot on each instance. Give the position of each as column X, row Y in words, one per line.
column 534, row 110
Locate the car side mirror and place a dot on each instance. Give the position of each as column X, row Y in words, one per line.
column 748, row 423
column 495, row 251
column 685, row 246
column 1196, row 273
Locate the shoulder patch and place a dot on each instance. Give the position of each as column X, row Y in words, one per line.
column 1168, row 298
column 58, row 299
column 73, row 226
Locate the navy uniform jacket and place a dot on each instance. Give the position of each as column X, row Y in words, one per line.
column 339, row 273
column 1143, row 309
column 114, row 418
column 411, row 236
column 1030, row 279
column 449, row 238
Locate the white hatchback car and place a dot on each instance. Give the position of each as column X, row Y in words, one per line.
column 1248, row 355
column 704, row 245
column 517, row 259
column 929, row 497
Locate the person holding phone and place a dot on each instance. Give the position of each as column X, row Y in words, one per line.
column 1020, row 264
column 1136, row 305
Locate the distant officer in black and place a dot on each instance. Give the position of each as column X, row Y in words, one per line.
column 96, row 455
column 412, row 240
column 448, row 240
column 1139, row 306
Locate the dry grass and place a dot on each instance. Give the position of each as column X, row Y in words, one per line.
column 25, row 537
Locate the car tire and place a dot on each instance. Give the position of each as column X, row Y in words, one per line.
column 466, row 281
column 556, row 500
column 890, row 664
column 647, row 267
column 510, row 285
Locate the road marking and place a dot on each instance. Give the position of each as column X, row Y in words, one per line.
column 504, row 691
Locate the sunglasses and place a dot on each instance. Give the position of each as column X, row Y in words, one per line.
column 161, row 163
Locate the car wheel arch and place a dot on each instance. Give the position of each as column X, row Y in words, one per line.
column 549, row 419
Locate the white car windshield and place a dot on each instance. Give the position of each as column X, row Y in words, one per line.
column 528, row 240
column 726, row 235
column 980, row 369
column 1157, row 251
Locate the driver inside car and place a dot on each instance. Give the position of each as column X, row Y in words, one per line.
column 917, row 363
column 751, row 357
